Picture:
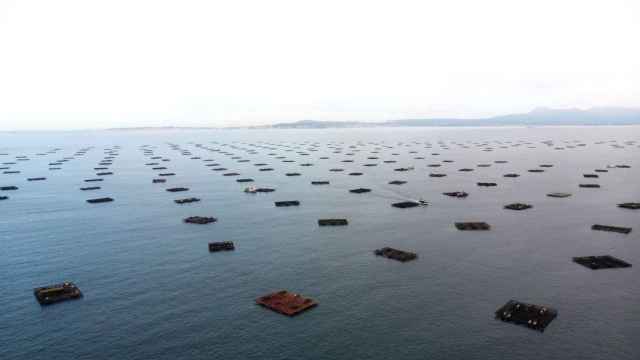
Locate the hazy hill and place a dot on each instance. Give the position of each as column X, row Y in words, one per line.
column 537, row 117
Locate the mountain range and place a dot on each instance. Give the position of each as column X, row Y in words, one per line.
column 537, row 117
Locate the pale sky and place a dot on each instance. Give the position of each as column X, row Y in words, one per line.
column 111, row 63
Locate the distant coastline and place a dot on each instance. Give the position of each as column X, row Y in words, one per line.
column 538, row 117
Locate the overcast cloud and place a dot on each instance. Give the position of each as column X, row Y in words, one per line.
column 96, row 64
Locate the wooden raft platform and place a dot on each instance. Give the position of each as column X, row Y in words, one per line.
column 467, row 226
column 286, row 303
column 47, row 295
column 395, row 254
column 601, row 262
column 610, row 228
column 532, row 316
column 333, row 222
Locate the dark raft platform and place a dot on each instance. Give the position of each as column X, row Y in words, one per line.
column 265, row 190
column 467, row 226
column 47, row 295
column 93, row 180
column 100, row 200
column 4, row 198
column 177, row 189
column 487, row 184
column 397, row 182
column 252, row 190
column 286, row 303
column 90, row 188
column 590, row 186
column 617, row 229
column 244, row 180
column 601, row 262
column 518, row 206
column 355, row 174
column 406, row 204
column 319, row 183
column 632, row 206
column 456, row 194
column 535, row 317
column 221, row 246
column 37, row 179
column 511, row 175
column 558, row 195
column 333, row 222
column 360, row 190
column 292, row 174
column 159, row 181
column 167, row 174
column 201, row 220
column 390, row 253
column 287, row 203
column 186, row 200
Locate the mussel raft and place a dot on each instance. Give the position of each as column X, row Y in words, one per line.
column 360, row 190
column 406, row 204
column 558, row 195
column 601, row 262
column 617, row 229
column 397, row 182
column 532, row 316
column 202, row 220
column 287, row 203
column 47, row 295
column 456, row 194
column 186, row 200
column 100, row 200
column 466, row 226
column 487, row 184
column 632, row 206
column 518, row 206
column 221, row 246
column 177, row 189
column 399, row 255
column 286, row 303
column 333, row 222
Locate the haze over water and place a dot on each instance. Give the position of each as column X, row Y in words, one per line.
column 153, row 291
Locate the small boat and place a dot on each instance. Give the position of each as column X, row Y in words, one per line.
column 250, row 190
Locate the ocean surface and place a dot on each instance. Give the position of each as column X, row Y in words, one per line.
column 152, row 290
